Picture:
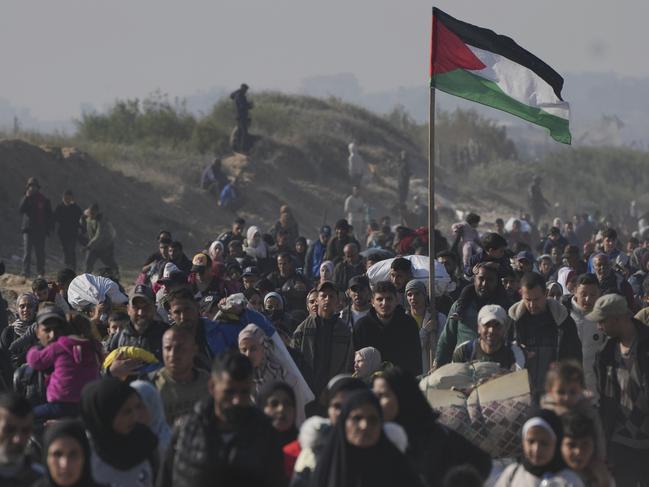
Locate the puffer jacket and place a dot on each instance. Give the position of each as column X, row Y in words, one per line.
column 199, row 455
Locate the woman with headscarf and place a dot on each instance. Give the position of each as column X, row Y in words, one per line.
column 255, row 246
column 367, row 361
column 542, row 463
column 66, row 455
column 275, row 311
column 300, row 252
column 358, row 451
column 433, row 448
column 124, row 452
column 154, row 416
column 326, row 271
column 270, row 366
column 277, row 401
column 26, row 305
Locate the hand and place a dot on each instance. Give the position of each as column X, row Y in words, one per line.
column 123, row 367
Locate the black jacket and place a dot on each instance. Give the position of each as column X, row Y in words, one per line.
column 398, row 340
column 37, row 214
column 545, row 339
column 199, row 455
column 67, row 218
column 607, row 385
column 150, row 341
column 438, row 449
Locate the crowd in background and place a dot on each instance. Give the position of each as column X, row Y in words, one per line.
column 270, row 358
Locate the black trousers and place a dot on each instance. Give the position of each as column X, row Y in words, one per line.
column 36, row 242
column 69, row 244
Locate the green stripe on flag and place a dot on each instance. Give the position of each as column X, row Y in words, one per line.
column 476, row 88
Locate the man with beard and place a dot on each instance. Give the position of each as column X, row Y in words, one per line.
column 225, row 440
column 462, row 322
column 142, row 331
column 351, row 265
column 360, row 297
column 292, row 286
column 592, row 340
column 544, row 329
column 16, row 425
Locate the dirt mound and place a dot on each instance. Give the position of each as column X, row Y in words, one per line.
column 136, row 209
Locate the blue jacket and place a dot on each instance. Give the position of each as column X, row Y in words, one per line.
column 314, row 257
column 223, row 335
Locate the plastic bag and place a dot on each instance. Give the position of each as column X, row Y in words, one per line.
column 86, row 290
column 420, row 271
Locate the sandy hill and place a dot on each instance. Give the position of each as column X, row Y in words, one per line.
column 300, row 160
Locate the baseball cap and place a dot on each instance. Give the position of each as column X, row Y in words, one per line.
column 327, row 285
column 608, row 306
column 48, row 312
column 359, row 281
column 325, row 230
column 200, row 262
column 525, row 255
column 492, row 312
column 142, row 291
column 250, row 272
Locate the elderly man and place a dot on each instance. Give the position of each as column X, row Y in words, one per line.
column 351, row 266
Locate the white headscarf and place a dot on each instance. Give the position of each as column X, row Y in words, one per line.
column 258, row 251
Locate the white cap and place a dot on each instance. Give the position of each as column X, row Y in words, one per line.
column 492, row 312
column 169, row 268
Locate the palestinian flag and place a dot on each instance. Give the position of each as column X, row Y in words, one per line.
column 482, row 66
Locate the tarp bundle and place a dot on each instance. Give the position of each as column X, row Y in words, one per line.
column 420, row 271
column 88, row 290
column 492, row 415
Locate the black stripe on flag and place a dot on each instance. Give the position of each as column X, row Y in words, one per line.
column 488, row 40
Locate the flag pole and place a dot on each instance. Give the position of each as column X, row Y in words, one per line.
column 431, row 202
column 431, row 183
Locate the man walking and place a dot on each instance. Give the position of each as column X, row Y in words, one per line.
column 67, row 216
column 36, row 225
column 622, row 369
column 101, row 240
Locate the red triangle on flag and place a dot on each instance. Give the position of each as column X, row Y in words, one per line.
column 449, row 53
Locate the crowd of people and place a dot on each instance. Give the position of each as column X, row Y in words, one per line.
column 271, row 359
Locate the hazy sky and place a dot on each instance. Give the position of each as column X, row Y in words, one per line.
column 57, row 54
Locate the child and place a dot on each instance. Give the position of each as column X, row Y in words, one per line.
column 565, row 391
column 117, row 320
column 542, row 463
column 578, row 450
column 74, row 358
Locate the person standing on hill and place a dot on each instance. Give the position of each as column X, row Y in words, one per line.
column 36, row 211
column 536, row 201
column 101, row 239
column 243, row 107
column 355, row 208
column 356, row 165
column 67, row 216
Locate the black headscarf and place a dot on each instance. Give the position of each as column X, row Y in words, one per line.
column 67, row 428
column 344, row 465
column 100, row 403
column 284, row 437
column 415, row 414
column 556, row 464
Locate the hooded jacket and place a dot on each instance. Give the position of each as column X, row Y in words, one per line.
column 76, row 362
column 101, row 233
column 546, row 338
column 592, row 341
